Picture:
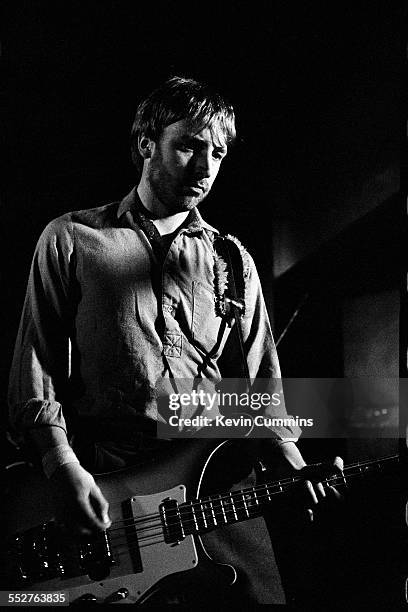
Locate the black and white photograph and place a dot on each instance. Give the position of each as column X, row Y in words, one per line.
column 201, row 367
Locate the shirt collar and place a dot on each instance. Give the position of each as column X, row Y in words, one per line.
column 194, row 222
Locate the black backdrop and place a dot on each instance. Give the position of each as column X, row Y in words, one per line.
column 315, row 89
column 300, row 78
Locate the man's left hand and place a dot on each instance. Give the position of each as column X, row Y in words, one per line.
column 317, row 478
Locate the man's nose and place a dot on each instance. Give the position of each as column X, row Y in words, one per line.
column 204, row 165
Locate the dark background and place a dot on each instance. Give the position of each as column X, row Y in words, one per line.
column 311, row 190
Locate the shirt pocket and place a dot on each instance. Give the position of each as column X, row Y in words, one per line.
column 204, row 322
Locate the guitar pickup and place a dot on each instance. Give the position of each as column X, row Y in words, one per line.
column 171, row 521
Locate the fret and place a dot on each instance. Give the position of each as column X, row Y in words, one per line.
column 228, row 509
column 240, row 505
column 263, row 494
column 256, row 498
column 202, row 508
column 233, row 506
column 213, row 515
column 208, row 513
column 276, row 487
column 218, row 509
column 245, row 504
column 195, row 510
column 194, row 516
column 223, row 510
column 251, row 508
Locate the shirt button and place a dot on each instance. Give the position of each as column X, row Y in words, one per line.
column 168, row 308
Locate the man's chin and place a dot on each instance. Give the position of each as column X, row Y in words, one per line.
column 185, row 203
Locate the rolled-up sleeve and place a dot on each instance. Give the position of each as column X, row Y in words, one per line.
column 40, row 367
column 262, row 358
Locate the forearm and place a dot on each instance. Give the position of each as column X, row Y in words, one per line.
column 51, row 444
column 47, row 437
column 79, row 502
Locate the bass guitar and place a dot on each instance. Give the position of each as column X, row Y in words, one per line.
column 158, row 514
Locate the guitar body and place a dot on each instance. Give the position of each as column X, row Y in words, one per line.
column 168, row 517
column 134, row 558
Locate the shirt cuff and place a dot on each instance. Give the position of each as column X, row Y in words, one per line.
column 37, row 413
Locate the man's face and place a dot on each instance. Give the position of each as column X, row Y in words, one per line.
column 183, row 165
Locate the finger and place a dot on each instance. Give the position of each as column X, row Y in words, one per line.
column 311, row 492
column 88, row 518
column 320, row 488
column 335, row 493
column 339, row 463
column 310, row 514
column 100, row 506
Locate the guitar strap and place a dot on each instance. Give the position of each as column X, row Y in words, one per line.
column 230, row 294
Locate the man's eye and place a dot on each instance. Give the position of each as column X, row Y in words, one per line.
column 219, row 155
column 184, row 148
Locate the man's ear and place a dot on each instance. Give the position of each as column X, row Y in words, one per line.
column 145, row 146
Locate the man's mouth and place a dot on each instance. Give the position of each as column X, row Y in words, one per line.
column 194, row 187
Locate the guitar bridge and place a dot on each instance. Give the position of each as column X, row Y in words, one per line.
column 45, row 552
column 36, row 555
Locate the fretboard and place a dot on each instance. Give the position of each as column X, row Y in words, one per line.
column 201, row 515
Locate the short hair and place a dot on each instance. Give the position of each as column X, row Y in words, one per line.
column 176, row 99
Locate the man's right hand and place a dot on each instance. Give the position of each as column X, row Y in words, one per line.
column 80, row 505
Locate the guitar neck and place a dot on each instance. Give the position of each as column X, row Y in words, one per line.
column 207, row 513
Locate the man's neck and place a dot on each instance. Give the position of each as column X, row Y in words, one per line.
column 165, row 224
column 168, row 225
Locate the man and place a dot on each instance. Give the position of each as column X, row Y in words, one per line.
column 124, row 296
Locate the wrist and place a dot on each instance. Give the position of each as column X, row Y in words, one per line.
column 292, row 454
column 57, row 456
column 46, row 437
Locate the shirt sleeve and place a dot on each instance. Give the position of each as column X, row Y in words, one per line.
column 40, row 367
column 262, row 357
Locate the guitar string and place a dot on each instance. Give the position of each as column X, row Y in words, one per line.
column 234, row 497
column 129, row 544
column 186, row 521
column 187, row 508
column 133, row 543
column 283, row 481
column 135, row 540
column 190, row 506
column 129, row 541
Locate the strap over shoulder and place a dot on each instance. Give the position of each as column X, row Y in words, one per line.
column 231, row 270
